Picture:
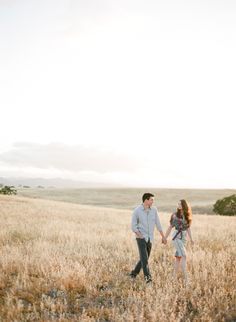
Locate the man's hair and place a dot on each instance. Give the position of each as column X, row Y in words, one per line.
column 147, row 196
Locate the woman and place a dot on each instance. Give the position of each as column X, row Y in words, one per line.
column 180, row 220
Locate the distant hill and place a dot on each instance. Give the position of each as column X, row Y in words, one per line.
column 54, row 182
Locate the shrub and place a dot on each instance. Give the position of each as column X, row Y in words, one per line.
column 226, row 206
column 8, row 190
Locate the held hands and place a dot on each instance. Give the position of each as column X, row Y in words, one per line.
column 164, row 240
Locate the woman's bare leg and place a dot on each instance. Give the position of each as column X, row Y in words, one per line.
column 184, row 268
column 176, row 266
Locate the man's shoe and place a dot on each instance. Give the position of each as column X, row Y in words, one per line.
column 148, row 279
column 132, row 276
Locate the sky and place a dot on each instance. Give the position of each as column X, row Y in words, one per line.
column 133, row 92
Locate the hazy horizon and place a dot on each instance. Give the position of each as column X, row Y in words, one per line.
column 60, row 183
column 138, row 93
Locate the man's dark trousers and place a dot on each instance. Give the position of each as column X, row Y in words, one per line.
column 144, row 248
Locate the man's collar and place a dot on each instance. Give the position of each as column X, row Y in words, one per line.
column 144, row 207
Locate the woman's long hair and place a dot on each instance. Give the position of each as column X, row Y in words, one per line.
column 187, row 212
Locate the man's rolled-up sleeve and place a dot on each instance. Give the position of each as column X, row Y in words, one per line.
column 157, row 222
column 134, row 222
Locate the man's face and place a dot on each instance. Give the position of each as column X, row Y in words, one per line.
column 150, row 201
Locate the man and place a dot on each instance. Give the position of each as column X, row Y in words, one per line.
column 144, row 220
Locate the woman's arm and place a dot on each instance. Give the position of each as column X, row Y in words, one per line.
column 170, row 227
column 168, row 231
column 190, row 235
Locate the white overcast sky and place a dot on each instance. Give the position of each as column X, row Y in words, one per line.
column 138, row 92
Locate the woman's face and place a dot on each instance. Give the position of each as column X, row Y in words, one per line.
column 179, row 205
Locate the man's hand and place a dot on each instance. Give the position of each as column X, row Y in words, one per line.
column 139, row 235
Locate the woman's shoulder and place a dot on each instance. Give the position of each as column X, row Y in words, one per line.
column 172, row 217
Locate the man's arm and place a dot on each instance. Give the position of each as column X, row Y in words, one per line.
column 159, row 228
column 134, row 224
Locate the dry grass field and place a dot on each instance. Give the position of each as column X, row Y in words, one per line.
column 69, row 262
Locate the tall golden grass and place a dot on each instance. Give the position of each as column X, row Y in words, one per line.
column 66, row 262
